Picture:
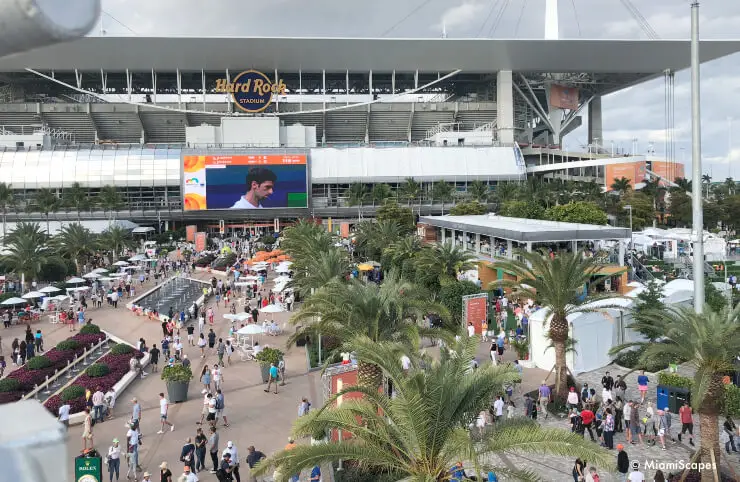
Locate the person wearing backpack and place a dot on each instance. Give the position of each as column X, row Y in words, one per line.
column 220, row 406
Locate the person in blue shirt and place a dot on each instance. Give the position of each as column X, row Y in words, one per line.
column 315, row 474
column 273, row 378
column 642, row 385
column 457, row 473
column 492, row 477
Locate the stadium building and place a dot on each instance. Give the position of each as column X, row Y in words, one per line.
column 178, row 124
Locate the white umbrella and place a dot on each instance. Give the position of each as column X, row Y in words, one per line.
column 49, row 289
column 117, row 275
column 251, row 330
column 60, row 298
column 100, row 270
column 14, row 301
column 281, row 279
column 120, row 263
column 242, row 283
column 91, row 275
column 249, row 278
column 34, row 294
column 105, row 278
column 230, row 316
column 273, row 309
column 138, row 257
column 75, row 280
column 79, row 288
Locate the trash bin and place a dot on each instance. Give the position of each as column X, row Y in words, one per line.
column 662, row 397
column 677, row 397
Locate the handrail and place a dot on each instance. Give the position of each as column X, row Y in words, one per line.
column 69, row 369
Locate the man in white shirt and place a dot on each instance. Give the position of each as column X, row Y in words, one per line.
column 636, row 475
column 97, row 401
column 110, row 402
column 164, row 406
column 231, row 449
column 188, row 475
column 261, row 183
column 64, row 414
column 405, row 363
column 498, row 407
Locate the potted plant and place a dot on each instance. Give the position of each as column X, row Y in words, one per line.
column 177, row 377
column 522, row 349
column 267, row 357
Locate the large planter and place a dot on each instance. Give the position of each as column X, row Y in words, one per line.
column 177, row 391
column 265, row 370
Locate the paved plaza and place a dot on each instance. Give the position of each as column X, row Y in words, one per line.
column 265, row 419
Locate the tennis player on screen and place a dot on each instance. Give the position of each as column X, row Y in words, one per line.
column 260, row 184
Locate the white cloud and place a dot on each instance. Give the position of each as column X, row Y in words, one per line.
column 460, row 15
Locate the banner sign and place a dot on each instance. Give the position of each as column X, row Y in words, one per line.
column 563, row 97
column 190, row 231
column 252, row 91
column 475, row 310
column 200, row 241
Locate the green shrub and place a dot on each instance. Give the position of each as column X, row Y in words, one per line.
column 732, row 400
column 90, row 329
column 65, row 345
column 177, row 373
column 97, row 370
column 122, row 349
column 9, row 385
column 674, row 380
column 38, row 363
column 269, row 355
column 631, row 359
column 72, row 392
column 628, row 358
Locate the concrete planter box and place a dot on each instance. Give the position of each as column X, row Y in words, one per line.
column 177, row 391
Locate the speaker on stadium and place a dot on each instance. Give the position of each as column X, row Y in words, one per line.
column 30, row 24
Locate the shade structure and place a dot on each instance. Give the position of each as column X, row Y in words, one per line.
column 100, row 270
column 137, row 257
column 273, row 309
column 105, row 278
column 249, row 278
column 251, row 330
column 120, row 263
column 238, row 316
column 14, row 301
column 242, row 283
column 34, row 294
column 91, row 275
column 49, row 289
column 75, row 280
column 281, row 279
column 60, row 298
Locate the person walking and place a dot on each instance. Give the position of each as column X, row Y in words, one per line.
column 164, row 406
column 213, row 448
column 623, row 464
column 220, row 351
column 544, row 392
column 635, row 424
column 609, row 429
column 217, row 375
column 154, row 357
column 642, row 385
column 114, row 460
column 687, row 422
column 253, row 457
column 730, row 429
column 205, row 379
column 200, row 450
column 668, row 420
column 165, row 474
column 220, row 407
column 273, row 378
column 587, row 416
column 87, row 430
column 627, row 412
column 132, row 452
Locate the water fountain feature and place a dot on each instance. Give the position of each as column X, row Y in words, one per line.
column 178, row 293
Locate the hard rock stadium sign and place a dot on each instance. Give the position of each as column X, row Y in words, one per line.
column 251, row 90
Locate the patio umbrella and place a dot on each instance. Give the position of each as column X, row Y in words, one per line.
column 251, row 330
column 60, row 298
column 281, row 279
column 249, row 278
column 120, row 263
column 14, row 301
column 49, row 289
column 230, row 316
column 34, row 294
column 91, row 275
column 138, row 257
column 75, row 280
column 100, row 270
column 273, row 309
column 242, row 283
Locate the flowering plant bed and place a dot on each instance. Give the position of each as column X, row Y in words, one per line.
column 118, row 366
column 58, row 359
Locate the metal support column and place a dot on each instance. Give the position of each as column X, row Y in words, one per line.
column 104, row 81
column 696, row 202
column 393, row 82
column 128, row 84
column 179, row 88
column 323, row 113
column 154, row 86
column 229, row 104
column 203, row 87
column 370, row 83
column 300, row 90
column 275, row 95
column 346, row 91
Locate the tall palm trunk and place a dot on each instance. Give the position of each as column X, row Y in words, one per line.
column 709, row 430
column 5, row 224
column 559, row 337
column 369, row 375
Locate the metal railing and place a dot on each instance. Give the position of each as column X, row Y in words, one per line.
column 53, row 383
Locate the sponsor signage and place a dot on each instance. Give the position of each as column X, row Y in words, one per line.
column 252, row 91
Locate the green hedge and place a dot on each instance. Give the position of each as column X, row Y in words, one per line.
column 674, row 380
column 39, row 363
column 72, row 392
column 732, row 392
column 732, row 400
column 122, row 349
column 631, row 358
column 65, row 345
column 9, row 385
column 97, row 370
column 90, row 329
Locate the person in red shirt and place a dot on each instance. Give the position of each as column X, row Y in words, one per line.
column 587, row 416
column 687, row 422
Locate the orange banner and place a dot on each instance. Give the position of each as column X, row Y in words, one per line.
column 476, row 311
column 344, row 230
column 200, row 241
column 255, row 160
column 190, row 232
column 564, row 97
column 633, row 171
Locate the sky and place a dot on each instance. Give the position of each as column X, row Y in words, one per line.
column 637, row 112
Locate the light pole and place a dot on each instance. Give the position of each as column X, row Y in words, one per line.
column 698, row 217
column 629, row 208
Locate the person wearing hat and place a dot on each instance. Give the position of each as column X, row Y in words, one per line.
column 623, row 463
column 187, row 475
column 165, row 474
column 114, row 459
column 225, row 468
column 636, row 475
column 147, row 477
column 234, row 454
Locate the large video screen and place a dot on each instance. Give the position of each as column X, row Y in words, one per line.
column 245, row 182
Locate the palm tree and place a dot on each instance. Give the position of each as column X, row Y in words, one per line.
column 479, row 191
column 46, row 202
column 730, row 185
column 110, row 200
column 411, row 190
column 710, row 342
column 321, row 269
column 26, row 251
column 558, row 285
column 420, row 432
column 303, row 241
column 116, row 239
column 6, row 200
column 683, row 184
column 356, row 195
column 380, row 193
column 380, row 312
column 373, row 237
column 445, row 260
column 621, row 185
column 707, row 180
column 442, row 191
column 77, row 197
column 398, row 252
column 76, row 242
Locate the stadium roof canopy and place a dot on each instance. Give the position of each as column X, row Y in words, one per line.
column 365, row 54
